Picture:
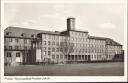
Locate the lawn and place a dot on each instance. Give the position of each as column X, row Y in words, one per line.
column 88, row 69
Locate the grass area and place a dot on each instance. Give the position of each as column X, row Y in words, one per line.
column 88, row 69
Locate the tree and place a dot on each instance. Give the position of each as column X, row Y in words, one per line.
column 66, row 47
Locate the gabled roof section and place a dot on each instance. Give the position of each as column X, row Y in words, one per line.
column 112, row 42
column 19, row 32
column 108, row 40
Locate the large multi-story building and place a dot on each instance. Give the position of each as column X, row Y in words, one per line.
column 29, row 46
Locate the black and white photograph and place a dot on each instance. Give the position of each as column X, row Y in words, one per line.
column 64, row 39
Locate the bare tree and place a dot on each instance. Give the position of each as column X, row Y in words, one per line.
column 66, row 47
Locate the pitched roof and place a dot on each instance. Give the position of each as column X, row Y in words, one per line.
column 112, row 42
column 109, row 41
column 98, row 38
column 17, row 31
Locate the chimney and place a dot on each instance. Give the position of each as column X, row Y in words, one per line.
column 70, row 23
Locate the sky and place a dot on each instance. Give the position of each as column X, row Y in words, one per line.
column 99, row 19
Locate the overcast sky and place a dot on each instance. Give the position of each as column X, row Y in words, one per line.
column 99, row 19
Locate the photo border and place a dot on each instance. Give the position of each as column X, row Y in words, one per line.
column 65, row 78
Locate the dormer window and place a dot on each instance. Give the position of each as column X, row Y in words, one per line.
column 23, row 34
column 8, row 33
column 33, row 35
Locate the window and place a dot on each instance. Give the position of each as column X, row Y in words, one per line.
column 53, row 56
column 7, row 33
column 53, row 49
column 72, row 38
column 16, row 47
column 57, row 37
column 79, row 34
column 10, row 39
column 95, row 57
column 25, row 47
column 57, row 43
column 17, row 54
column 49, row 52
column 92, row 56
column 53, row 43
column 9, row 55
column 45, row 36
column 49, row 48
column 75, row 33
column 83, row 50
column 79, row 56
column 44, row 52
column 57, row 50
column 25, row 41
column 76, row 39
column 49, row 42
column 49, row 36
column 54, row 37
column 61, row 49
column 61, row 56
column 61, row 43
column 17, row 40
column 45, row 43
column 10, row 47
column 80, row 45
column 57, row 57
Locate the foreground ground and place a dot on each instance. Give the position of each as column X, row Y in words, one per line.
column 88, row 69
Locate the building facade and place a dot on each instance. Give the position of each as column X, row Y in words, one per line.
column 28, row 46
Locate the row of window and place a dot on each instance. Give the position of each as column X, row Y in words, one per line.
column 114, row 47
column 16, row 40
column 74, row 57
column 73, row 44
column 57, row 56
column 70, row 57
column 16, row 47
column 78, row 57
column 53, row 49
column 78, row 34
column 49, row 52
column 59, row 43
column 114, row 52
column 9, row 54
column 76, row 39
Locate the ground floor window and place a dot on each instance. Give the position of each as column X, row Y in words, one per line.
column 17, row 54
